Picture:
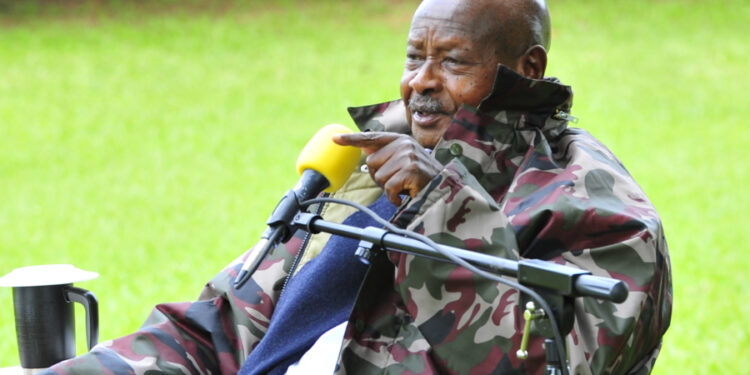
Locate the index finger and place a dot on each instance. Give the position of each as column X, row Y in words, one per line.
column 369, row 142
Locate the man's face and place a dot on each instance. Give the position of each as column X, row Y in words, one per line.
column 450, row 61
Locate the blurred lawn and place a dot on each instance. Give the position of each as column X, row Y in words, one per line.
column 148, row 141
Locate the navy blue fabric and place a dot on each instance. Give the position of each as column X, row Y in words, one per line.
column 319, row 297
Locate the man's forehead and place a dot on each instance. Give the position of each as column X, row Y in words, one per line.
column 448, row 11
column 423, row 24
column 450, row 15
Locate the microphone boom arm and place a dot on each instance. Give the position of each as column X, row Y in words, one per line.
column 553, row 284
column 560, row 279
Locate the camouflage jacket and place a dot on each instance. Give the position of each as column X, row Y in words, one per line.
column 517, row 183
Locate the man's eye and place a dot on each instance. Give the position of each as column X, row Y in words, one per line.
column 413, row 61
column 451, row 60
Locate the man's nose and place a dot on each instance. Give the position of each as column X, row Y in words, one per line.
column 427, row 78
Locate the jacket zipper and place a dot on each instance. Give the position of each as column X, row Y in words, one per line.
column 302, row 250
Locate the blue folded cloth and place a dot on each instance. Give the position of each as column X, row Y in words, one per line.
column 319, row 297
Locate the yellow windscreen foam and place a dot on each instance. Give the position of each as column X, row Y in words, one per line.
column 333, row 161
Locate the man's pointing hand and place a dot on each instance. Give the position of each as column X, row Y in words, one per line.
column 396, row 161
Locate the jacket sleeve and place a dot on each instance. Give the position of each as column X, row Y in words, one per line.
column 211, row 335
column 586, row 214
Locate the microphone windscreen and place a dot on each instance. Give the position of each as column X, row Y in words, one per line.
column 333, row 161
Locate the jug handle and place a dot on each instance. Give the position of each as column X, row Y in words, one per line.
column 91, row 305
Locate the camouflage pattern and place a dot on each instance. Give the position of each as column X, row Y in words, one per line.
column 517, row 183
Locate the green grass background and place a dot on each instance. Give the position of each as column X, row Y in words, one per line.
column 148, row 141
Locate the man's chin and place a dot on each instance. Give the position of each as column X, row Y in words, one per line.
column 428, row 136
column 427, row 139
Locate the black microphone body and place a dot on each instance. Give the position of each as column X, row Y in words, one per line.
column 309, row 186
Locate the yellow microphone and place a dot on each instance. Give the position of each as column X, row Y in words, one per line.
column 330, row 159
column 323, row 165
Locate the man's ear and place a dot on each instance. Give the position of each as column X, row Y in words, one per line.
column 533, row 62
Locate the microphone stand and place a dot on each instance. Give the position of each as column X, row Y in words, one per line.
column 557, row 284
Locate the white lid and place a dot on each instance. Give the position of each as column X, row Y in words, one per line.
column 47, row 274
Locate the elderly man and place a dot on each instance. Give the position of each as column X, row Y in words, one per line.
column 483, row 159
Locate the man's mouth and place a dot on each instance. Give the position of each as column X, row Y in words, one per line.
column 425, row 113
column 425, row 110
column 424, row 118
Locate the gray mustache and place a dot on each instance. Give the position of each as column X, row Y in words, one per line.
column 424, row 103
